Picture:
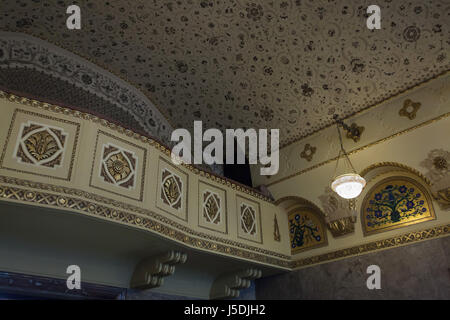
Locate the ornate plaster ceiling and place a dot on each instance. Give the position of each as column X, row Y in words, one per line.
column 288, row 64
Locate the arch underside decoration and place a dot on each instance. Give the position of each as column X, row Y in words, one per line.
column 25, row 57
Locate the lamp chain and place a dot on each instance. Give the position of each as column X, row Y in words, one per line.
column 342, row 150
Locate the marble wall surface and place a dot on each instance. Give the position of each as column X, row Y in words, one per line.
column 418, row 271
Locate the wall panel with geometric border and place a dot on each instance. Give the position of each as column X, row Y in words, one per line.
column 118, row 167
column 212, row 207
column 40, row 145
column 249, row 219
column 171, row 193
column 393, row 203
column 306, row 230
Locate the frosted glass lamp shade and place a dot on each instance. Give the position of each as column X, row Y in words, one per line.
column 348, row 186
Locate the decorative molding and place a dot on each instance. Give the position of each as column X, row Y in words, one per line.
column 132, row 186
column 355, row 132
column 129, row 133
column 228, row 285
column 308, row 152
column 342, row 226
column 172, row 190
column 210, row 196
column 392, row 242
column 118, row 166
column 56, row 133
column 438, row 165
column 340, row 214
column 40, row 144
column 249, row 220
column 409, row 109
column 362, row 148
column 150, row 272
column 364, row 173
column 71, row 200
column 88, row 203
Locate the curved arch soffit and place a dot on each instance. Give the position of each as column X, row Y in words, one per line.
column 292, row 203
column 25, row 51
column 375, row 170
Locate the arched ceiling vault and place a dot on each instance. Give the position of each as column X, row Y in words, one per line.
column 289, row 64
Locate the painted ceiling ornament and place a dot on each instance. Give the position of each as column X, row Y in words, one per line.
column 171, row 189
column 340, row 214
column 355, row 132
column 308, row 152
column 409, row 109
column 438, row 165
column 411, row 34
column 118, row 166
column 40, row 145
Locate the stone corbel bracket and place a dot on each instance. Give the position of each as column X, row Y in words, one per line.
column 228, row 285
column 150, row 272
column 340, row 213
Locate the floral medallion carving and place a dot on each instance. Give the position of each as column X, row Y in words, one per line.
column 355, row 132
column 118, row 166
column 248, row 219
column 393, row 203
column 171, row 189
column 438, row 165
column 409, row 109
column 212, row 209
column 40, row 145
column 308, row 152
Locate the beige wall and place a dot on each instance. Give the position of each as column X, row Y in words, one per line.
column 388, row 137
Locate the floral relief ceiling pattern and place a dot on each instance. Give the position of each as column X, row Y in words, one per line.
column 289, row 64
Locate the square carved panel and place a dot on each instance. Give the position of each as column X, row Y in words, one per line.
column 212, row 207
column 118, row 166
column 249, row 219
column 40, row 145
column 171, row 193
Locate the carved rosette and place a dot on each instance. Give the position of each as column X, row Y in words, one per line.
column 355, row 132
column 118, row 166
column 308, row 152
column 40, row 145
column 171, row 189
column 409, row 109
column 438, row 165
